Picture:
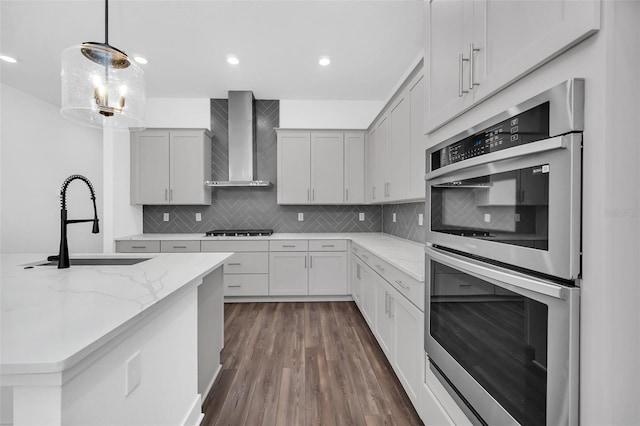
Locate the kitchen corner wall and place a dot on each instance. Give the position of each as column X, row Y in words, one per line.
column 406, row 224
column 255, row 207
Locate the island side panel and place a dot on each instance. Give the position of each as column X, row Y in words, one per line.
column 210, row 329
column 167, row 389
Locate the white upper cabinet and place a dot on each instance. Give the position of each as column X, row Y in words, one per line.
column 320, row 167
column 493, row 43
column 381, row 160
column 327, row 168
column 416, row 188
column 370, row 167
column 294, row 168
column 170, row 167
column 399, row 142
column 354, row 159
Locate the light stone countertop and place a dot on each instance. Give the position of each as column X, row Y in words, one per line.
column 53, row 318
column 407, row 256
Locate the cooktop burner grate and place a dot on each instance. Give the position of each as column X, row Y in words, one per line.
column 239, row 233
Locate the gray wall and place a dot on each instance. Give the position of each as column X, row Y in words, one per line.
column 256, row 207
column 406, row 225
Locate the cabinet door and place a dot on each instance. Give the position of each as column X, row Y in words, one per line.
column 294, row 162
column 150, row 167
column 383, row 329
column 448, row 32
column 354, row 168
column 356, row 281
column 327, row 273
column 370, row 167
column 368, row 294
column 381, row 154
column 288, row 274
column 399, row 140
column 514, row 38
column 408, row 351
column 327, row 168
column 417, row 147
column 187, row 168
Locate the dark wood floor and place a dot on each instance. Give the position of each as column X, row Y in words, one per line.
column 304, row 364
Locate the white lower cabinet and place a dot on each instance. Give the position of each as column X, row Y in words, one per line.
column 395, row 321
column 327, row 273
column 288, row 274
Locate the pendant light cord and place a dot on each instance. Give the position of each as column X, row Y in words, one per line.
column 106, row 22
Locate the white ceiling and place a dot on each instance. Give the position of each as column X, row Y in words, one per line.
column 371, row 45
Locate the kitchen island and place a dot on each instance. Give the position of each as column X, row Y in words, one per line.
column 137, row 344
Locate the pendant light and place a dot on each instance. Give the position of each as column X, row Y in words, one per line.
column 101, row 87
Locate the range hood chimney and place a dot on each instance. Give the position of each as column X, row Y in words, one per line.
column 242, row 143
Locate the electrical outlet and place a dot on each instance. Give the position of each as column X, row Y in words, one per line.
column 420, row 219
column 165, row 217
column 516, row 217
column 361, row 217
column 133, row 373
column 393, row 217
column 487, row 217
column 300, row 217
column 198, row 217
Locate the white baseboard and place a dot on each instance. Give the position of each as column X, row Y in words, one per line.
column 252, row 299
column 194, row 416
column 210, row 385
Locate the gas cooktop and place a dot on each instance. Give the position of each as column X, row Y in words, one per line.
column 239, row 233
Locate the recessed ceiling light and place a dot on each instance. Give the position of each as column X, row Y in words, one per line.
column 140, row 60
column 324, row 61
column 233, row 60
column 8, row 59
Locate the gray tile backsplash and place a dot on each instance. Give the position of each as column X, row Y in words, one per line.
column 256, row 207
column 406, row 224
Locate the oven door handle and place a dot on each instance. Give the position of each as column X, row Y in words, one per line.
column 558, row 142
column 496, row 274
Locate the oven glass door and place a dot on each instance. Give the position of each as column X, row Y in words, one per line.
column 499, row 337
column 511, row 207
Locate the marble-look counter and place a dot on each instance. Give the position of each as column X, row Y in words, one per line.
column 408, row 256
column 53, row 318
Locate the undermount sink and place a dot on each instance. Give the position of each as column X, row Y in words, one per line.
column 98, row 261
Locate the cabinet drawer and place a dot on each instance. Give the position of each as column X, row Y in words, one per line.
column 327, row 245
column 234, row 246
column 409, row 287
column 138, row 246
column 179, row 246
column 289, row 245
column 247, row 263
column 246, row 285
column 363, row 254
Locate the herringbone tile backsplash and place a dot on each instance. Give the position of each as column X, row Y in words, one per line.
column 255, row 207
column 406, row 224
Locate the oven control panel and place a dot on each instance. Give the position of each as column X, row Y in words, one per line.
column 526, row 127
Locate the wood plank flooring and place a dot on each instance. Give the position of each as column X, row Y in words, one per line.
column 299, row 364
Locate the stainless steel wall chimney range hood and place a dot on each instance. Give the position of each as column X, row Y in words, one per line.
column 242, row 143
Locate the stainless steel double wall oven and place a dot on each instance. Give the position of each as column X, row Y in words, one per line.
column 503, row 261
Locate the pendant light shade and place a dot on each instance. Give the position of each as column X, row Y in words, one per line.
column 101, row 87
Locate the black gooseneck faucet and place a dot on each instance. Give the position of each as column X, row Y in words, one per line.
column 63, row 254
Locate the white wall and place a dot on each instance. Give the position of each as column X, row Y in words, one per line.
column 301, row 114
column 610, row 322
column 40, row 149
column 192, row 113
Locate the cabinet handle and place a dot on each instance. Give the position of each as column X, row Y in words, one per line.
column 391, row 314
column 305, row 262
column 166, row 195
column 179, row 247
column 139, row 247
column 234, row 286
column 358, row 272
column 461, row 60
column 466, row 285
column 289, row 245
column 406, row 287
column 346, row 192
column 386, row 302
column 310, row 262
column 313, row 194
column 380, row 268
column 328, row 245
column 373, row 193
column 234, row 264
column 171, row 195
column 472, row 83
column 365, row 256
